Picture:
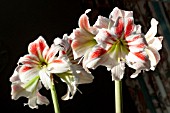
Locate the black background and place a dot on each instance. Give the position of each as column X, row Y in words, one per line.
column 21, row 22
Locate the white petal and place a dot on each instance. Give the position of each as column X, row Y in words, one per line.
column 152, row 31
column 81, row 75
column 103, row 22
column 154, row 56
column 28, row 75
column 118, row 71
column 58, row 67
column 156, row 43
column 42, row 99
column 45, row 78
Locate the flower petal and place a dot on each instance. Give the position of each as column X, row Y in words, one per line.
column 129, row 26
column 138, row 61
column 83, row 40
column 27, row 73
column 156, row 42
column 45, row 78
column 58, row 66
column 154, row 56
column 116, row 13
column 37, row 47
column 136, row 42
column 81, row 75
column 118, row 71
column 103, row 22
column 152, row 31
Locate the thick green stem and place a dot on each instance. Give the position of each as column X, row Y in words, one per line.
column 118, row 96
column 54, row 96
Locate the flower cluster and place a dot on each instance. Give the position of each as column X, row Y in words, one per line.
column 116, row 41
column 113, row 42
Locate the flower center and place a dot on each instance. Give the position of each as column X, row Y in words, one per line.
column 43, row 64
column 119, row 49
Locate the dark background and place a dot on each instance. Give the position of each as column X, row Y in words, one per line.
column 21, row 22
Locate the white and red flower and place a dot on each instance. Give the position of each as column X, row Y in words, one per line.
column 119, row 42
column 36, row 68
column 154, row 44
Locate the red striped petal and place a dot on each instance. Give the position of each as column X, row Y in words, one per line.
column 33, row 48
column 129, row 27
column 84, row 22
column 140, row 56
column 25, row 68
column 142, row 45
column 41, row 44
column 120, row 26
column 98, row 52
column 57, row 61
column 134, row 38
column 75, row 44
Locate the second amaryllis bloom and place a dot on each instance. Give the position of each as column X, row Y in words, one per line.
column 119, row 42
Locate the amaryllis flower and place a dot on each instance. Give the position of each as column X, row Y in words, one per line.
column 77, row 74
column 83, row 37
column 119, row 43
column 154, row 44
column 35, row 68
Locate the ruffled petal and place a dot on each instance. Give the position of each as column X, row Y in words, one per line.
column 36, row 99
column 152, row 31
column 156, row 43
column 81, row 75
column 116, row 13
column 20, row 89
column 118, row 71
column 103, row 22
column 105, row 38
column 138, row 61
column 70, row 80
column 154, row 56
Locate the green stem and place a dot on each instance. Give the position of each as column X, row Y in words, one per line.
column 54, row 96
column 118, row 96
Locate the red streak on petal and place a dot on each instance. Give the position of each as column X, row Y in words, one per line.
column 63, row 52
column 41, row 45
column 83, row 22
column 134, row 38
column 25, row 68
column 57, row 61
column 27, row 62
column 129, row 27
column 69, row 41
column 33, row 48
column 50, row 55
column 100, row 51
column 120, row 26
column 75, row 44
column 109, row 36
column 142, row 45
column 15, row 87
column 141, row 56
